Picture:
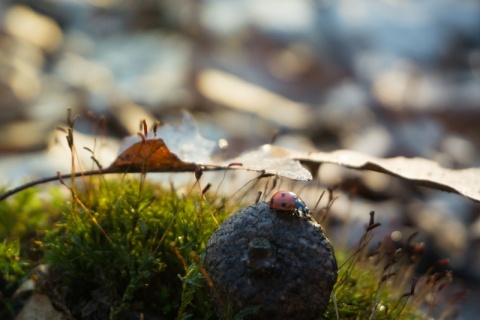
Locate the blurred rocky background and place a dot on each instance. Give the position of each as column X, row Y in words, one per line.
column 386, row 78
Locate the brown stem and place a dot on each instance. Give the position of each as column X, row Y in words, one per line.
column 110, row 170
column 49, row 179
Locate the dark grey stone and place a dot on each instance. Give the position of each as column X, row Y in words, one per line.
column 276, row 261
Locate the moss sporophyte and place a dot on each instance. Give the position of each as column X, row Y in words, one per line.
column 128, row 248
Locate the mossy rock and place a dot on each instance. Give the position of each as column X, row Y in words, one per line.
column 270, row 265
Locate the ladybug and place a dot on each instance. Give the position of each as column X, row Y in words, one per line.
column 288, row 201
column 284, row 201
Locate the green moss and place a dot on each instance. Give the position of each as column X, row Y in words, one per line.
column 122, row 248
column 130, row 243
column 23, row 219
column 30, row 211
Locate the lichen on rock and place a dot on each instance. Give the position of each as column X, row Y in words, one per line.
column 279, row 264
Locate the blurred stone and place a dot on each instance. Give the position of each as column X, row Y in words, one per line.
column 56, row 157
column 374, row 140
column 295, row 142
column 346, row 113
column 292, row 62
column 449, row 92
column 396, row 28
column 242, row 130
column 20, row 71
column 394, row 86
column 352, row 215
column 288, row 18
column 25, row 287
column 25, row 83
column 51, row 104
column 129, row 116
column 21, row 136
column 150, row 68
column 33, row 27
column 81, row 73
column 236, row 93
column 405, row 86
column 10, row 106
column 419, row 137
column 474, row 232
column 21, row 54
column 224, row 18
column 459, row 151
column 443, row 218
column 39, row 307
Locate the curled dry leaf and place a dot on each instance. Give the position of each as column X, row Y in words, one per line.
column 149, row 156
column 183, row 140
column 418, row 170
column 182, row 148
column 172, row 148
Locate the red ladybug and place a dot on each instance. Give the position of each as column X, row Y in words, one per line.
column 284, row 200
column 288, row 201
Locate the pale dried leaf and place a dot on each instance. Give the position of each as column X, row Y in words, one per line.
column 272, row 160
column 418, row 170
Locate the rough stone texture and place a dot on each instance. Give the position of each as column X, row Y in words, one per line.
column 281, row 262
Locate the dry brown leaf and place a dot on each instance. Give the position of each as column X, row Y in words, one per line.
column 149, row 156
column 182, row 148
